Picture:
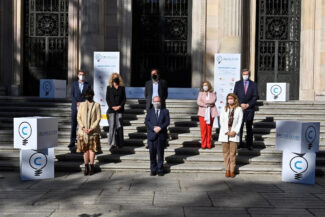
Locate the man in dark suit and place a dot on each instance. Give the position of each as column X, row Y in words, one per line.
column 77, row 96
column 246, row 90
column 157, row 121
column 156, row 87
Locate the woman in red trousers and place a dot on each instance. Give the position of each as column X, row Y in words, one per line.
column 207, row 113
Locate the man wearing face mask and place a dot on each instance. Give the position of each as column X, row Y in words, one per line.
column 157, row 121
column 156, row 87
column 246, row 90
column 77, row 96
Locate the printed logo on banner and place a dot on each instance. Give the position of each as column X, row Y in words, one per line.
column 47, row 87
column 98, row 57
column 298, row 165
column 219, row 59
column 38, row 161
column 276, row 90
column 310, row 136
column 25, row 131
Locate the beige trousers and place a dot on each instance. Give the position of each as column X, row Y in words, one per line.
column 229, row 150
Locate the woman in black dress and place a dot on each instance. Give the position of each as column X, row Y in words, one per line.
column 115, row 97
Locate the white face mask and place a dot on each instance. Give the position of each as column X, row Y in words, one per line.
column 205, row 88
column 81, row 77
column 156, row 105
column 245, row 77
column 230, row 101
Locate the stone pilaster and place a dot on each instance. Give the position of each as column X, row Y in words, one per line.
column 224, row 30
column 91, row 37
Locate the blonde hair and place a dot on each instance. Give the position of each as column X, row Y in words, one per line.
column 209, row 86
column 110, row 82
column 236, row 102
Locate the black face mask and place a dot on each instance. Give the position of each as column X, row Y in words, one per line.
column 89, row 98
column 116, row 80
column 154, row 77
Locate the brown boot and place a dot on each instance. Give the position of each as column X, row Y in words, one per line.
column 86, row 171
column 91, row 169
column 232, row 175
column 227, row 173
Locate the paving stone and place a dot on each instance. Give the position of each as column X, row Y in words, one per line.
column 180, row 199
column 127, row 211
column 203, row 185
column 248, row 186
column 270, row 212
column 234, row 199
column 155, row 183
column 293, row 200
column 214, row 211
column 125, row 198
column 88, row 197
column 300, row 188
column 317, row 212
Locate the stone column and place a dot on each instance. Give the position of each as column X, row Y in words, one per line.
column 73, row 42
column 307, row 52
column 91, row 33
column 224, row 30
column 198, row 41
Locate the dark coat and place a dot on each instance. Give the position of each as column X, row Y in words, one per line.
column 115, row 98
column 250, row 97
column 76, row 95
column 163, row 122
column 162, row 92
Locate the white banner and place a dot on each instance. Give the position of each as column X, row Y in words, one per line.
column 37, row 164
column 105, row 63
column 277, row 92
column 298, row 168
column 226, row 73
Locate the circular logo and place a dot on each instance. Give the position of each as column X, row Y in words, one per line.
column 276, row 90
column 98, row 57
column 47, row 87
column 38, row 161
column 25, row 130
column 219, row 59
column 310, row 134
column 298, row 164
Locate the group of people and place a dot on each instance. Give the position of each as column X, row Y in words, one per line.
column 239, row 110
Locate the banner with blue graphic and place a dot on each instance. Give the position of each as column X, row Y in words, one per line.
column 51, row 88
column 277, row 92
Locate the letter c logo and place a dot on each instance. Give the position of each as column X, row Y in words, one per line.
column 297, row 167
column 35, row 161
column 23, row 130
column 275, row 90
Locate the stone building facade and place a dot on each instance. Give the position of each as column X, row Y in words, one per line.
column 279, row 40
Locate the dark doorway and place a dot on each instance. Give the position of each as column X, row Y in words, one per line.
column 278, row 44
column 161, row 39
column 45, row 42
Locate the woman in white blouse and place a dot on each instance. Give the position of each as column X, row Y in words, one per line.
column 230, row 121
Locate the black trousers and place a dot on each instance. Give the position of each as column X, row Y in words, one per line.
column 156, row 149
column 74, row 124
column 248, row 120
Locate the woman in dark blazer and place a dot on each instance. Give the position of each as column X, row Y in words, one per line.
column 115, row 97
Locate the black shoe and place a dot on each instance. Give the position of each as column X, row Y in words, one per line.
column 91, row 169
column 250, row 148
column 86, row 171
column 147, row 147
column 153, row 173
column 161, row 174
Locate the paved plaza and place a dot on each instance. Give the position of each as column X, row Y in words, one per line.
column 137, row 194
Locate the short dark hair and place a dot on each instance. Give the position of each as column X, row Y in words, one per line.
column 80, row 70
column 244, row 70
column 89, row 92
column 155, row 69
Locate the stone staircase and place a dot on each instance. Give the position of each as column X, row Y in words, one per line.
column 183, row 153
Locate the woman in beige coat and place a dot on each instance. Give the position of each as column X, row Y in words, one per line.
column 207, row 113
column 88, row 117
